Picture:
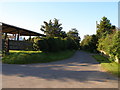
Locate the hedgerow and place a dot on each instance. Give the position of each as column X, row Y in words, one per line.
column 55, row 44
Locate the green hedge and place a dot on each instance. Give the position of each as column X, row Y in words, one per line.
column 56, row 44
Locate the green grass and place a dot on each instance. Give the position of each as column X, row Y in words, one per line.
column 107, row 65
column 20, row 51
column 27, row 57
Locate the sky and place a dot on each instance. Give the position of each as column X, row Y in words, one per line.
column 79, row 15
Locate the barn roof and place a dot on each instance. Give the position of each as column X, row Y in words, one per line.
column 6, row 28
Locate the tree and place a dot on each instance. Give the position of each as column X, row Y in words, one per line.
column 104, row 27
column 74, row 35
column 110, row 45
column 52, row 29
column 85, row 42
column 63, row 34
column 114, row 49
column 89, row 43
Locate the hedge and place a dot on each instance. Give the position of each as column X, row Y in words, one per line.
column 55, row 44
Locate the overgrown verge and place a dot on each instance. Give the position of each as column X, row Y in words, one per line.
column 108, row 65
column 27, row 57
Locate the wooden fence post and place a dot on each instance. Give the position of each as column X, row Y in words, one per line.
column 6, row 47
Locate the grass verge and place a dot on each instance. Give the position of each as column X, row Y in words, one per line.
column 27, row 57
column 107, row 65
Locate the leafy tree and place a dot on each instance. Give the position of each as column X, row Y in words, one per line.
column 63, row 34
column 89, row 43
column 85, row 42
column 52, row 29
column 56, row 39
column 104, row 43
column 104, row 27
column 74, row 35
column 110, row 45
column 115, row 45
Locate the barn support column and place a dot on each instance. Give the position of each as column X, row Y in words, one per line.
column 15, row 37
column 18, row 35
column 29, row 37
column 5, row 36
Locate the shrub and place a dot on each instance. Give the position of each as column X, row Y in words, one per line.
column 56, row 44
column 115, row 46
column 35, row 43
column 111, row 45
column 42, row 45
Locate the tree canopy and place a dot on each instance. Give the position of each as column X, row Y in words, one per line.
column 73, row 33
column 89, row 43
column 52, row 29
column 104, row 28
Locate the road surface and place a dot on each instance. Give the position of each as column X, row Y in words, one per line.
column 80, row 71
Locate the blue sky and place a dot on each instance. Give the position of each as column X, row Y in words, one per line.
column 79, row 15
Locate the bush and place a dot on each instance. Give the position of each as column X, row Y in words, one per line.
column 42, row 45
column 35, row 42
column 115, row 46
column 56, row 44
column 111, row 45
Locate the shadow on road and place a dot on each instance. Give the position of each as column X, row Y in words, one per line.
column 78, row 68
